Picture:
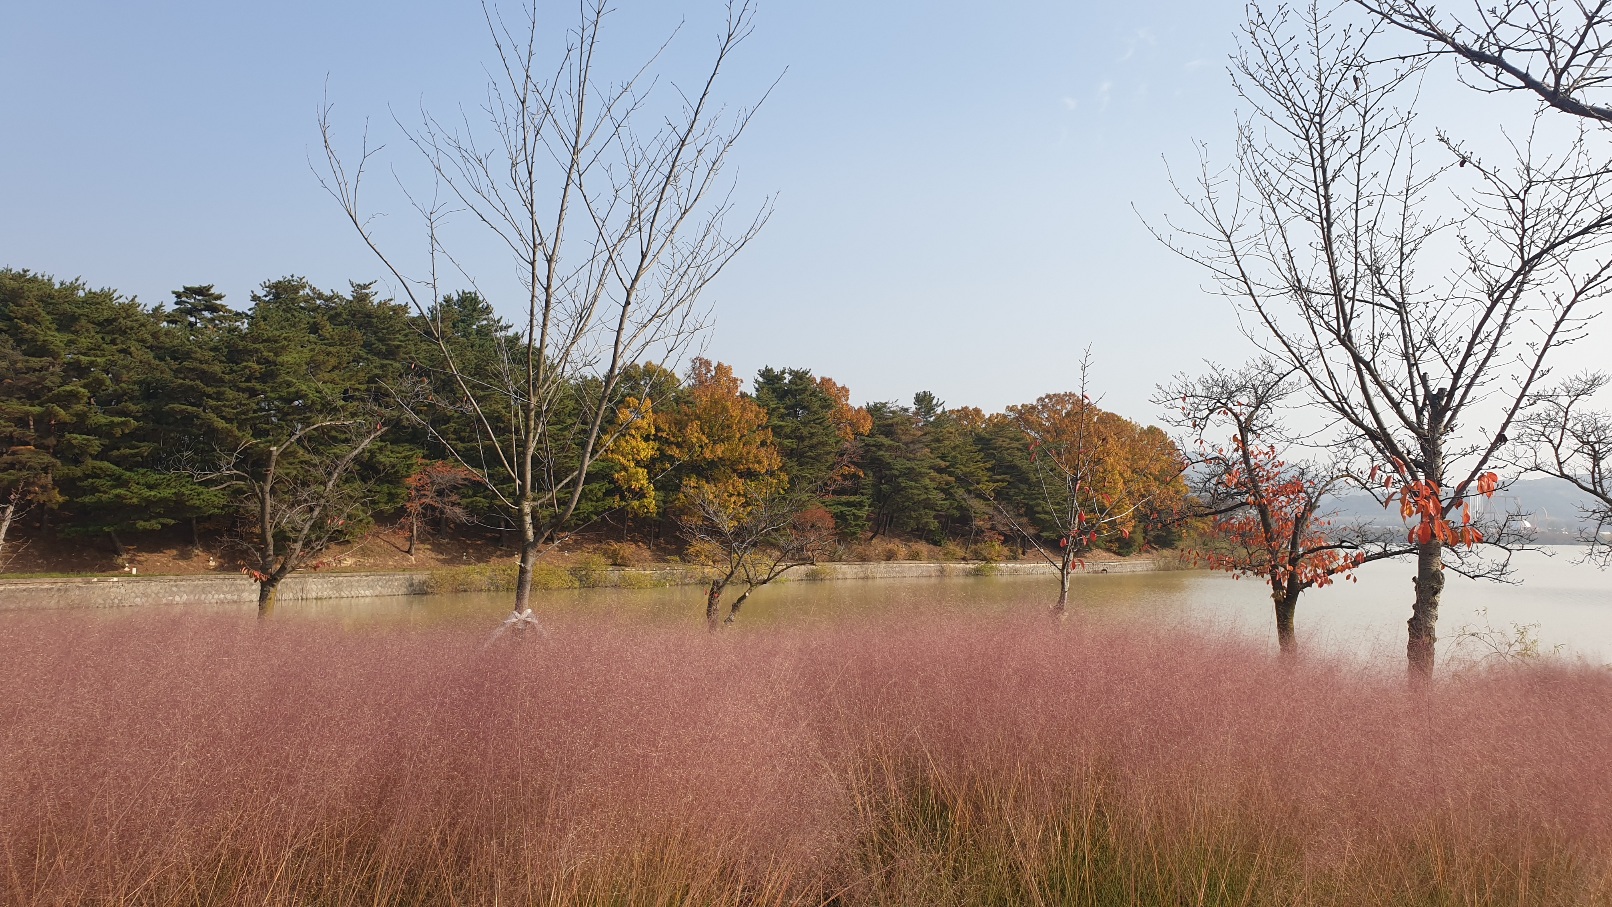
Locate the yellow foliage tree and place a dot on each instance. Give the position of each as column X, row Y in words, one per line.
column 852, row 422
column 719, row 441
column 632, row 455
column 732, row 501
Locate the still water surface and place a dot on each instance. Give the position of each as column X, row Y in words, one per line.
column 1564, row 604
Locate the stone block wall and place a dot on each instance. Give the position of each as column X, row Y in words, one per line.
column 133, row 591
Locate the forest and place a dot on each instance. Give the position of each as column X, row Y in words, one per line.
column 311, row 417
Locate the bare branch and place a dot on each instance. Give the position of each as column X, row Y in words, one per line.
column 612, row 231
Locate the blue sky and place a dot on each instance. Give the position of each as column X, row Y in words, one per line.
column 955, row 181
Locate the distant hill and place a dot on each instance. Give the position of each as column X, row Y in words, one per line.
column 1551, row 505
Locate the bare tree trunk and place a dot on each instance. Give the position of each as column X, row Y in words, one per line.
column 523, row 576
column 713, row 605
column 266, row 592
column 414, row 534
column 1287, row 601
column 1065, row 563
column 6, row 515
column 530, row 548
column 1429, row 584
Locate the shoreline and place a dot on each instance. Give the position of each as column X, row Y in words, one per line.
column 136, row 591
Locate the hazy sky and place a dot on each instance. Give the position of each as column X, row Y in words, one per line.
column 955, row 181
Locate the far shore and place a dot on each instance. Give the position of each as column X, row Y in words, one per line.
column 133, row 590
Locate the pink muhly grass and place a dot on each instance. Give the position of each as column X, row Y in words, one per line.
column 169, row 760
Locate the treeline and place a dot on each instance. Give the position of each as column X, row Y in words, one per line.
column 121, row 418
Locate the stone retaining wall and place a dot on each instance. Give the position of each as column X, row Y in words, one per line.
column 130, row 591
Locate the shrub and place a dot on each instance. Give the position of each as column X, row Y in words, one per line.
column 625, row 554
column 590, row 570
column 549, row 575
column 641, row 579
column 990, row 551
column 473, row 578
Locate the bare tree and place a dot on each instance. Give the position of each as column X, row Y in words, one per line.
column 1093, row 473
column 750, row 543
column 1326, row 230
column 297, row 492
column 1558, row 50
column 433, row 493
column 1562, row 53
column 1563, row 437
column 1269, row 505
column 17, row 503
column 25, row 483
column 613, row 214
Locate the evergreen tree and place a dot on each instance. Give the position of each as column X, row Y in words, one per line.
column 190, row 407
column 817, row 433
column 317, row 373
column 480, row 344
column 953, row 439
column 76, row 364
column 903, row 478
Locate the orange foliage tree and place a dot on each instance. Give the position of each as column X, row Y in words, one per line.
column 1266, row 513
column 432, row 492
column 732, row 503
column 850, row 423
column 715, row 438
column 1097, row 475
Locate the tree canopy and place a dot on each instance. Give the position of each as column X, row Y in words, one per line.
column 120, row 418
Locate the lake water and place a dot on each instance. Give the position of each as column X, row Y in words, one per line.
column 1560, row 601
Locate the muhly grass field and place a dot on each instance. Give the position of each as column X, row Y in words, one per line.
column 178, row 760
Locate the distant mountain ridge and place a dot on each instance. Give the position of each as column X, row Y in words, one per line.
column 1553, row 507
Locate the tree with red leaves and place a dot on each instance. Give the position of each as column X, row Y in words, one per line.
column 433, row 493
column 1266, row 511
column 1278, row 531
